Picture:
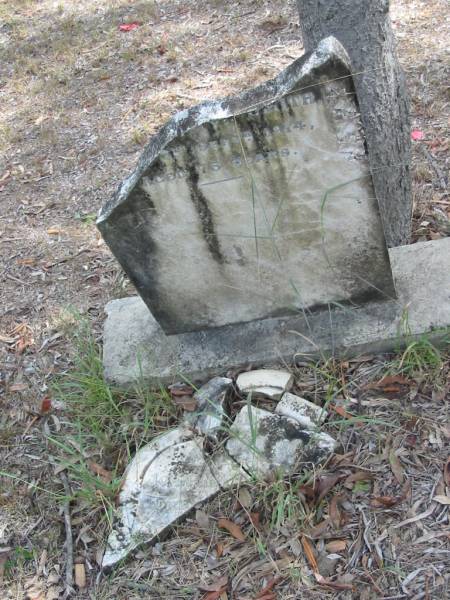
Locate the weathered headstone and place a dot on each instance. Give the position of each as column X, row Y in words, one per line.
column 255, row 207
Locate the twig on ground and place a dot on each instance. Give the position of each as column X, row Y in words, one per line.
column 69, row 537
column 440, row 175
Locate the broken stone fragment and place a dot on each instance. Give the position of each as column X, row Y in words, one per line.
column 269, row 382
column 210, row 412
column 164, row 481
column 263, row 442
column 309, row 415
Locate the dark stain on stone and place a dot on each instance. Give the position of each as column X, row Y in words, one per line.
column 277, row 428
column 213, row 134
column 139, row 248
column 201, row 205
column 289, row 107
column 155, row 169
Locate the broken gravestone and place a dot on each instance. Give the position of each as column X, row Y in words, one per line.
column 165, row 479
column 254, row 207
column 173, row 473
column 266, row 443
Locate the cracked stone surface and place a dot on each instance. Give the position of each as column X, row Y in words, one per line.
column 209, row 416
column 264, row 442
column 165, row 479
column 270, row 382
column 307, row 414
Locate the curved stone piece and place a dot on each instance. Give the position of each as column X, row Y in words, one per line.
column 307, row 414
column 208, row 418
column 269, row 382
column 263, row 442
column 165, row 479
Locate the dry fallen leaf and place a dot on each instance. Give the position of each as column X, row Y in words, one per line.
column 332, row 584
column 318, row 530
column 442, row 499
column 324, row 484
column 309, row 553
column 27, row 262
column 53, row 231
column 396, row 467
column 181, row 389
column 245, row 498
column 216, row 586
column 187, row 403
column 447, row 472
column 336, row 545
column 357, row 476
column 202, row 519
column 385, row 501
column 105, row 475
column 266, row 593
column 254, row 519
column 80, row 575
column 336, row 516
column 344, row 414
column 17, row 387
column 232, row 528
column 389, row 384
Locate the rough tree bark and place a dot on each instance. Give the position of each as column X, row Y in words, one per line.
column 363, row 27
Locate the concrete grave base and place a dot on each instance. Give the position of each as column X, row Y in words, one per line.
column 135, row 347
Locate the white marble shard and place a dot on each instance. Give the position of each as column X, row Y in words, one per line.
column 268, row 382
column 209, row 415
column 309, row 415
column 264, row 442
column 165, row 480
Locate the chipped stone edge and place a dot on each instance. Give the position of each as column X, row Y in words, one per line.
column 328, row 51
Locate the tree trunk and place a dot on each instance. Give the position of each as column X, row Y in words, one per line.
column 363, row 27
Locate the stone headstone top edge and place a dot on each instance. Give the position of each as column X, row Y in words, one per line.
column 328, row 53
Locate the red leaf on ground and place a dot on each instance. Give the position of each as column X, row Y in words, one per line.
column 416, row 135
column 46, row 405
column 232, row 528
column 129, row 26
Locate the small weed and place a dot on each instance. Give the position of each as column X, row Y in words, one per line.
column 420, row 356
column 282, row 501
column 17, row 560
column 86, row 218
column 107, row 425
column 138, row 136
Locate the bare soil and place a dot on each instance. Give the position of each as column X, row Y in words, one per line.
column 79, row 98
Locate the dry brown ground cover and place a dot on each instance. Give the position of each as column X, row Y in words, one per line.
column 78, row 100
